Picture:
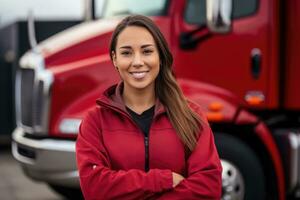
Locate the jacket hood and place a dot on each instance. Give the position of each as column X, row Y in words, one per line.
column 112, row 98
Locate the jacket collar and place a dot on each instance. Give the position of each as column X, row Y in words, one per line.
column 112, row 98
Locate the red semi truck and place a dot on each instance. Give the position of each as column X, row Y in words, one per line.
column 238, row 59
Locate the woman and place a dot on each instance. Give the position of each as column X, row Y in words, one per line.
column 144, row 140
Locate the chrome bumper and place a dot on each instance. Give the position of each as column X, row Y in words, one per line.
column 48, row 160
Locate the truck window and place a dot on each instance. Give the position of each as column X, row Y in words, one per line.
column 195, row 11
column 15, row 10
column 113, row 8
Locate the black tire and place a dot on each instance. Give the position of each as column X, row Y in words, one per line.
column 67, row 192
column 245, row 160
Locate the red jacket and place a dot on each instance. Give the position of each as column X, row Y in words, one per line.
column 110, row 155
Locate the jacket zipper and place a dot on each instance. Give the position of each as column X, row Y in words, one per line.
column 146, row 144
column 146, row 141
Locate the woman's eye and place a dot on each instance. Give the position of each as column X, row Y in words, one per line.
column 125, row 53
column 148, row 51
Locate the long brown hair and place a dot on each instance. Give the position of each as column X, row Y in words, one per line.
column 185, row 121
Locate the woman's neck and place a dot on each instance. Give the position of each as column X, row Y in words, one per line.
column 139, row 100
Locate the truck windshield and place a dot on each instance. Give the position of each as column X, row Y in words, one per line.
column 127, row 7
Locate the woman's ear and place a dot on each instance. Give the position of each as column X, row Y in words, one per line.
column 114, row 59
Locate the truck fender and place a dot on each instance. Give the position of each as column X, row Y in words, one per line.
column 263, row 133
column 222, row 107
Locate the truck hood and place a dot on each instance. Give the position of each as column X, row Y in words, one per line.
column 69, row 45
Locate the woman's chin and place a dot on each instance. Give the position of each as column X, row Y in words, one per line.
column 141, row 85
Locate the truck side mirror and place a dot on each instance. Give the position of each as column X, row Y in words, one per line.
column 218, row 15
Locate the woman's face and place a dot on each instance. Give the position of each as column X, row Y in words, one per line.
column 137, row 58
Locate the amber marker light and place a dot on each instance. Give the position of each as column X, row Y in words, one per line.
column 215, row 106
column 254, row 98
column 214, row 116
column 254, row 101
column 214, row 112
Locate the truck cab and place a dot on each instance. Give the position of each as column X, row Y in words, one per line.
column 235, row 58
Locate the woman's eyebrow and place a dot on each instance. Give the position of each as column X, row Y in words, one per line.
column 143, row 46
column 125, row 47
column 146, row 45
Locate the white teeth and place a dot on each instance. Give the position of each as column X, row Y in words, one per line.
column 138, row 75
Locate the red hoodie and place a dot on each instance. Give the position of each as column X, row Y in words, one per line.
column 110, row 153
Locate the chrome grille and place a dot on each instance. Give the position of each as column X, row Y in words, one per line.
column 38, row 108
column 33, row 83
column 27, row 83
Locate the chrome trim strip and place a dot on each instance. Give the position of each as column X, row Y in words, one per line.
column 297, row 168
column 31, row 30
column 18, row 98
column 47, row 78
column 288, row 143
column 294, row 141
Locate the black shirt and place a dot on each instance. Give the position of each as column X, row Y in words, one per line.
column 143, row 120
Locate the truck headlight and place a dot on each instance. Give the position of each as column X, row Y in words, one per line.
column 69, row 125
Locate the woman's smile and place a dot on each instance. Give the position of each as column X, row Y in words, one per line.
column 139, row 74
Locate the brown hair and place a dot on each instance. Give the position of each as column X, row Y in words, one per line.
column 185, row 121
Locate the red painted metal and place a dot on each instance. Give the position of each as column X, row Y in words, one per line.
column 244, row 117
column 292, row 59
column 264, row 134
column 205, row 94
column 224, row 60
column 77, row 80
column 78, row 43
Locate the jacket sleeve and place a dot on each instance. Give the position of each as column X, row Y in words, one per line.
column 99, row 181
column 203, row 181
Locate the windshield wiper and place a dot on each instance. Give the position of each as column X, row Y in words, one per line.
column 122, row 12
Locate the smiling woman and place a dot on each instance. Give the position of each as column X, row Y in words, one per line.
column 144, row 140
column 137, row 59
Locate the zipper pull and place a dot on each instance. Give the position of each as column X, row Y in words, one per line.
column 146, row 141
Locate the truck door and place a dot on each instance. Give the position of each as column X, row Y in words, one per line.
column 243, row 60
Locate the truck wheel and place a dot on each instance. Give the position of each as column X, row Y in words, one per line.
column 68, row 193
column 242, row 176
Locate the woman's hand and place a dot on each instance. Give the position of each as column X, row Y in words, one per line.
column 177, row 178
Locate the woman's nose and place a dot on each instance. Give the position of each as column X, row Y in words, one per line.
column 137, row 60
